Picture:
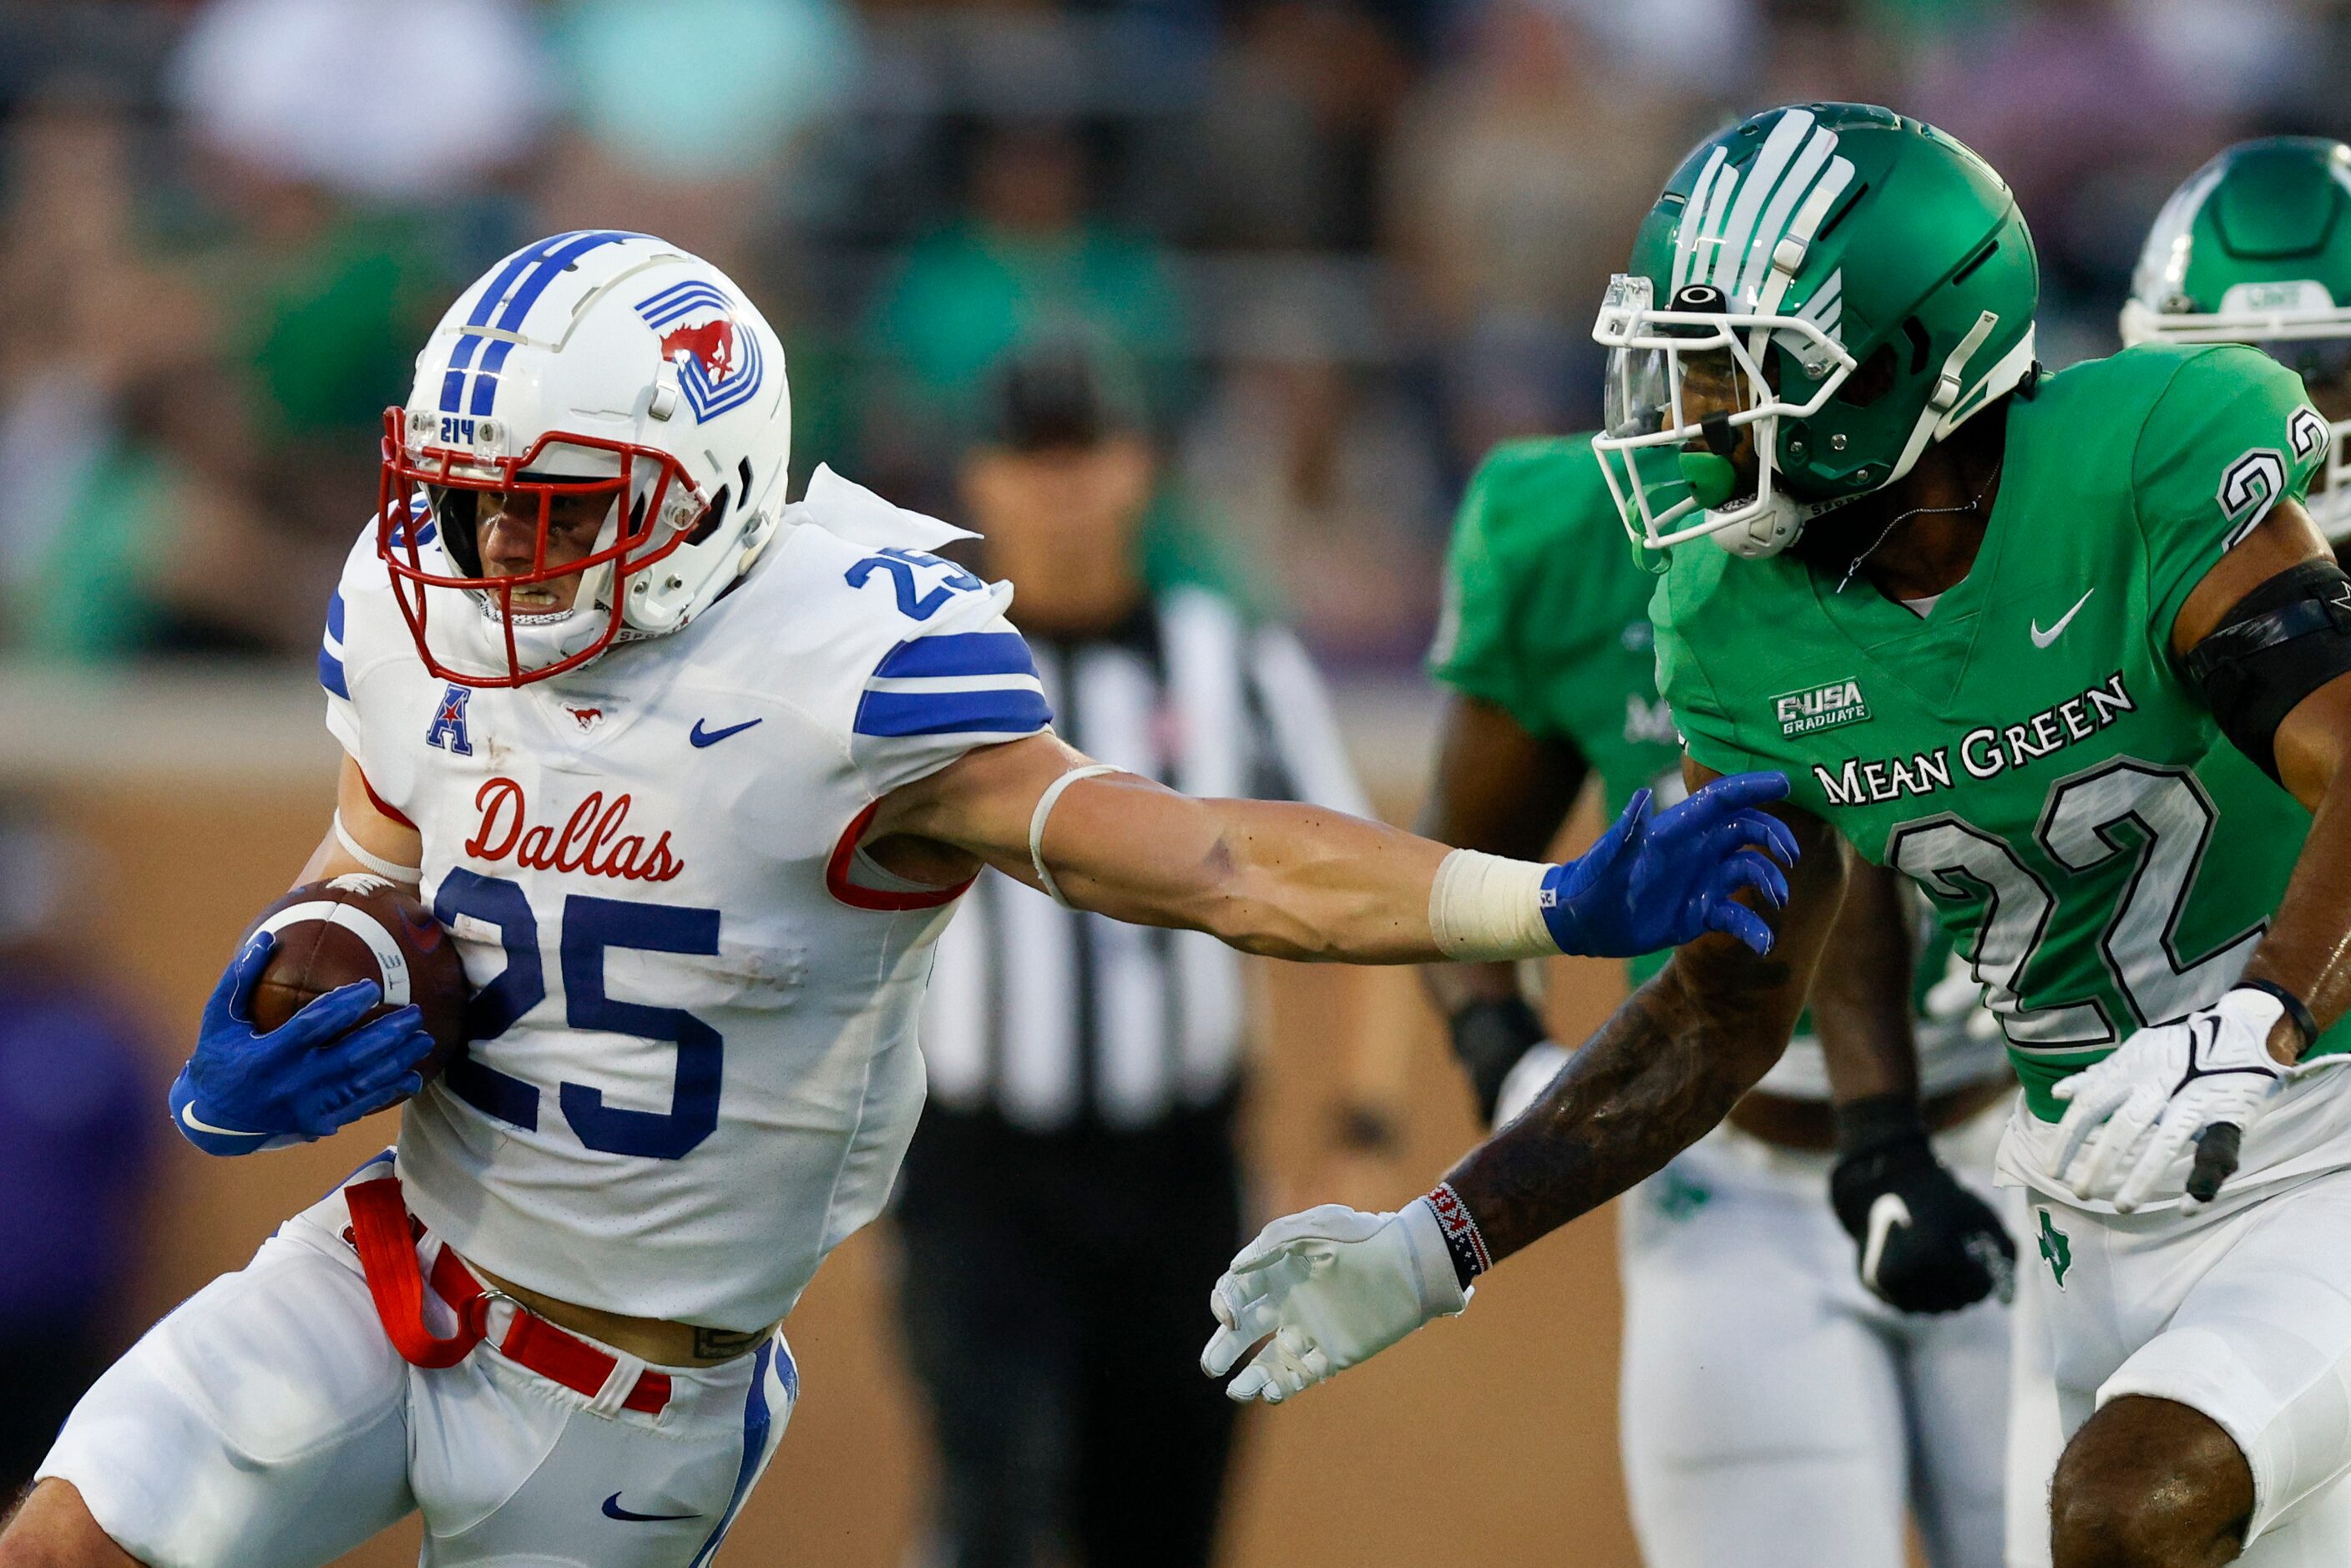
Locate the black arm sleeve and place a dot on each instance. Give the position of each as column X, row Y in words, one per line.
column 2281, row 643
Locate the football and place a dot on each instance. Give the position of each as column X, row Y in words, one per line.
column 360, row 927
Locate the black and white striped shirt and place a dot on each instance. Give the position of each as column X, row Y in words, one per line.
column 1057, row 1017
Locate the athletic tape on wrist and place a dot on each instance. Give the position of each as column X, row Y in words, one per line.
column 1462, row 1238
column 1045, row 804
column 374, row 863
column 1484, row 907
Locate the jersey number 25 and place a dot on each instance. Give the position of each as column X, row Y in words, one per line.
column 590, row 927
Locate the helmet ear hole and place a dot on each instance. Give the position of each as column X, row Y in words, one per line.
column 712, row 517
column 1873, row 380
column 1921, row 345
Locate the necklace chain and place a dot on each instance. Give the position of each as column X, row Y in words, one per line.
column 1981, row 491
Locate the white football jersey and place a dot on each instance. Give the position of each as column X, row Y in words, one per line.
column 694, row 1068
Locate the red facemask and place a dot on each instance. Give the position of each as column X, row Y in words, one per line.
column 412, row 499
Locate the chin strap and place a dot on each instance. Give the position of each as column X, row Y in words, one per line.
column 1952, row 402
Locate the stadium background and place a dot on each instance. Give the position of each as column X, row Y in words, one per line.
column 1346, row 245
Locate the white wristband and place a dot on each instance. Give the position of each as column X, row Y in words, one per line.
column 1483, row 907
column 1045, row 804
column 374, row 863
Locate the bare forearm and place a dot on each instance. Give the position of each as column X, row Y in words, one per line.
column 2308, row 947
column 1861, row 997
column 1662, row 1071
column 1269, row 877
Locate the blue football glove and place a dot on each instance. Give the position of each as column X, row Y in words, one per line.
column 1653, row 883
column 311, row 1076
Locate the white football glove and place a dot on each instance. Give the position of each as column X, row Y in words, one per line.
column 1527, row 1079
column 2130, row 1118
column 1333, row 1286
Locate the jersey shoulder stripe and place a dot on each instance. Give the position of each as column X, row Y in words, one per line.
column 959, row 654
column 995, row 711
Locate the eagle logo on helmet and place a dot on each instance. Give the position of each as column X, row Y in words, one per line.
column 718, row 363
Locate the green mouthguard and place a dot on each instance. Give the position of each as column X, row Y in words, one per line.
column 1713, row 480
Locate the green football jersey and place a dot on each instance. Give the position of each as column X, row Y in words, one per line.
column 1547, row 618
column 2028, row 752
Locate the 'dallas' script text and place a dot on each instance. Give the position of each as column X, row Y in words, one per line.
column 593, row 841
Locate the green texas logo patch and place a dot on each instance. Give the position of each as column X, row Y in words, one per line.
column 1820, row 707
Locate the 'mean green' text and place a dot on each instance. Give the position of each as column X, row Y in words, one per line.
column 1984, row 752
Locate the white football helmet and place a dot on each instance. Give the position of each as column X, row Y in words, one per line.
column 595, row 363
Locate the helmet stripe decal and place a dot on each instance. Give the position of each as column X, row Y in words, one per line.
column 1818, row 147
column 1772, row 160
column 453, row 382
column 528, row 274
column 511, row 319
column 1718, row 212
column 522, row 261
column 1693, row 219
column 485, row 380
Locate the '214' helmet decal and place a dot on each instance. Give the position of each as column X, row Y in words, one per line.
column 719, row 366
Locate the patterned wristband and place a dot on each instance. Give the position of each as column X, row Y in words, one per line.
column 1462, row 1238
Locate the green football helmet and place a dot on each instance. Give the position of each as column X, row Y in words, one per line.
column 2256, row 249
column 1823, row 291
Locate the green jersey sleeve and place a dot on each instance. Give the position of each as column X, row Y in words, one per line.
column 1677, row 609
column 2231, row 435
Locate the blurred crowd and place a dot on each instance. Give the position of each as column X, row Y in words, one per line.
column 1344, row 245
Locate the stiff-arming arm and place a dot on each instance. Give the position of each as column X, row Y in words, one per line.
column 1299, row 882
column 1505, row 790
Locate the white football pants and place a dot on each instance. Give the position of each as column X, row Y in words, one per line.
column 2242, row 1312
column 1775, row 1414
column 268, row 1423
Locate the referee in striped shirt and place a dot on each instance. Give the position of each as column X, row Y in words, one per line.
column 1074, row 1185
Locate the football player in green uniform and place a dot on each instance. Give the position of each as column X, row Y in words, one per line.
column 2256, row 249
column 1775, row 1412
column 2066, row 651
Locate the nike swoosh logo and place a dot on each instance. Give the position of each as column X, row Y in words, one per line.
column 1887, row 1212
column 612, row 1508
column 188, row 1119
column 2042, row 639
column 702, row 737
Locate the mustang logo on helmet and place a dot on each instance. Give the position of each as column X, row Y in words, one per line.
column 718, row 368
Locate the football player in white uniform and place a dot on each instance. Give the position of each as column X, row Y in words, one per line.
column 695, row 777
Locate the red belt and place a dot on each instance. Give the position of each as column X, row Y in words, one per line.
column 386, row 1237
